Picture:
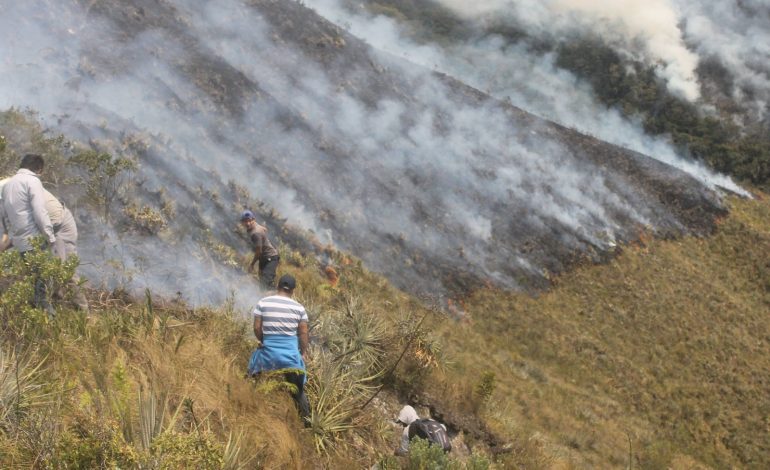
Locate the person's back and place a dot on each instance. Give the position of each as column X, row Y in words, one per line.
column 281, row 326
column 66, row 245
column 414, row 427
column 64, row 226
column 55, row 209
column 22, row 209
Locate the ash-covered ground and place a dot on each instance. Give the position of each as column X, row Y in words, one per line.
column 433, row 183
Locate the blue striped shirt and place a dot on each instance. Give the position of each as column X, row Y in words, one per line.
column 280, row 315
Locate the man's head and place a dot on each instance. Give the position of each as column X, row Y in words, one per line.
column 32, row 162
column 407, row 415
column 286, row 284
column 247, row 218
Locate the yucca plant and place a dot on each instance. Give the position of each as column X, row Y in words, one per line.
column 20, row 387
column 364, row 334
column 234, row 457
column 335, row 393
column 354, row 334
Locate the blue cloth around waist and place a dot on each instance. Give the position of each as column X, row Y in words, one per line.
column 277, row 352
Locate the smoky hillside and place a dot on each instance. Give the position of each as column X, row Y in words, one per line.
column 268, row 105
column 667, row 78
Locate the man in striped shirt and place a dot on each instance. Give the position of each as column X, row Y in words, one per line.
column 281, row 326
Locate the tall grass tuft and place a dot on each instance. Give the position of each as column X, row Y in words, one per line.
column 234, row 456
column 335, row 392
column 20, row 387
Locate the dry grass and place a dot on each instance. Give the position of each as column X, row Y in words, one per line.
column 657, row 359
column 666, row 345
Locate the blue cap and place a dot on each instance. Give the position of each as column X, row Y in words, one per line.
column 247, row 215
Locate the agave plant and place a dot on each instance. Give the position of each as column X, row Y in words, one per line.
column 20, row 385
column 335, row 392
column 355, row 335
column 234, row 456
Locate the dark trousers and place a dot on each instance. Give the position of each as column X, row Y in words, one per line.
column 267, row 267
column 298, row 380
column 40, row 299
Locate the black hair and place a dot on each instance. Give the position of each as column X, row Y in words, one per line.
column 32, row 162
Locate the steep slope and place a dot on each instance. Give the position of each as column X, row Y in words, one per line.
column 429, row 181
column 656, row 358
column 676, row 77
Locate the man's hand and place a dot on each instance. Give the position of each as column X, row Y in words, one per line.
column 5, row 243
column 254, row 260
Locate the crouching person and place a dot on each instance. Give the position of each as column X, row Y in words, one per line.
column 428, row 429
column 66, row 243
column 281, row 326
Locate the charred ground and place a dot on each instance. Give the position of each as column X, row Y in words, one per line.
column 401, row 218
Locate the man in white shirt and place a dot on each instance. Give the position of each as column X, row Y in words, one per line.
column 23, row 215
column 22, row 211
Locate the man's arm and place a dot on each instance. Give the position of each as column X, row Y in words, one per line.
column 258, row 328
column 3, row 221
column 37, row 201
column 5, row 242
column 254, row 260
column 304, row 340
column 403, row 449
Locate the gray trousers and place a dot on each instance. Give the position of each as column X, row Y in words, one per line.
column 66, row 245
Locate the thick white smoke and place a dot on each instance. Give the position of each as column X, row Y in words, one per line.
column 528, row 80
column 383, row 152
column 674, row 36
column 737, row 35
column 647, row 30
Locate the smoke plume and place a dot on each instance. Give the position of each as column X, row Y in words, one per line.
column 427, row 180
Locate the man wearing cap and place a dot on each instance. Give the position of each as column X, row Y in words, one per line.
column 281, row 326
column 264, row 251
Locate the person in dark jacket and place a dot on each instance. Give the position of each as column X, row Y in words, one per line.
column 428, row 429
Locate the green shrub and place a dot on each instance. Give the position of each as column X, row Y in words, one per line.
column 92, row 442
column 179, row 451
column 424, row 456
column 145, row 219
column 486, row 387
column 17, row 281
column 105, row 179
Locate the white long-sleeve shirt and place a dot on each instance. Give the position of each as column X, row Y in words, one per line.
column 22, row 210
